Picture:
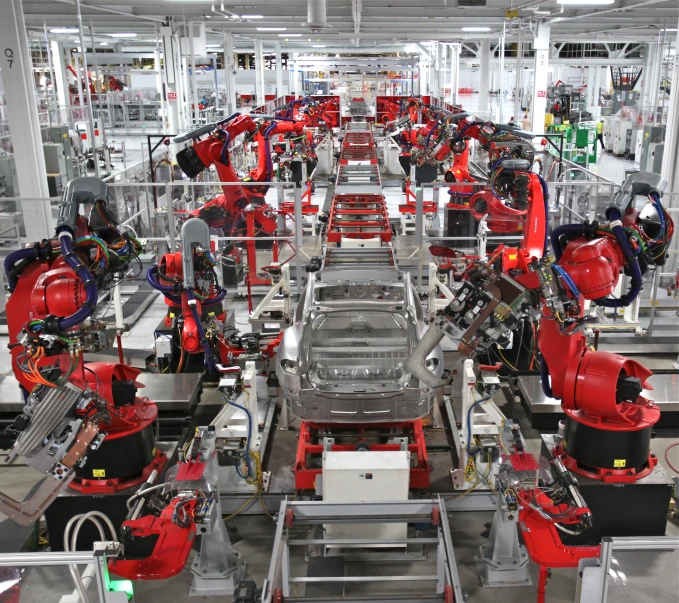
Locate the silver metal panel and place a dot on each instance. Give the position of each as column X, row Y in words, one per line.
column 171, row 391
column 665, row 393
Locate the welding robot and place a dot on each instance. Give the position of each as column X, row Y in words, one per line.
column 201, row 337
column 607, row 418
column 225, row 211
column 165, row 520
column 240, row 210
column 312, row 112
column 83, row 424
column 608, row 422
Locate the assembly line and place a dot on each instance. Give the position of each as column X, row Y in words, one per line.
column 371, row 364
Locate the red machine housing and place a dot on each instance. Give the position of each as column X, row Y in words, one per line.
column 172, row 545
column 609, row 422
column 128, row 454
column 542, row 539
column 308, row 447
column 170, row 270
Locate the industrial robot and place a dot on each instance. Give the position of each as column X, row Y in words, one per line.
column 608, row 421
column 200, row 338
column 83, row 424
column 314, row 113
column 165, row 521
column 240, row 210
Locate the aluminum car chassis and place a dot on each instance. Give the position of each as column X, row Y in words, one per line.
column 317, row 438
column 358, row 209
column 445, row 582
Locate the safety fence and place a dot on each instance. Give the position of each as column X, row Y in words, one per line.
column 154, row 213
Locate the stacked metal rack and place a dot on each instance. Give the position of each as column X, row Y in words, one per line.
column 358, row 210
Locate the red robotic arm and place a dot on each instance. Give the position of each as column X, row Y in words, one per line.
column 264, row 170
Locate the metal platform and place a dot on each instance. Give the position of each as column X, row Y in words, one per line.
column 545, row 413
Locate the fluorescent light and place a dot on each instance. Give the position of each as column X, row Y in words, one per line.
column 123, row 35
column 64, row 30
column 319, row 46
column 212, row 45
column 584, row 2
column 476, row 29
column 289, row 35
column 77, row 40
column 271, row 28
column 103, row 43
column 252, row 16
column 235, row 16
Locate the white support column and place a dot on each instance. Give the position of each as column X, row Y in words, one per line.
column 646, row 75
column 484, row 74
column 591, row 92
column 57, row 49
column 297, row 76
column 22, row 114
column 518, row 83
column 454, row 73
column 670, row 163
column 170, row 49
column 597, row 87
column 279, row 70
column 230, row 72
column 539, row 104
column 259, row 73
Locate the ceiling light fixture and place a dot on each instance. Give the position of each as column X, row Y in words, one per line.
column 271, row 28
column 103, row 43
column 319, row 46
column 123, row 35
column 64, row 30
column 212, row 45
column 252, row 16
column 584, row 2
column 476, row 29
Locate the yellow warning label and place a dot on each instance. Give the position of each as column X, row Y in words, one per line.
column 98, row 472
column 619, row 463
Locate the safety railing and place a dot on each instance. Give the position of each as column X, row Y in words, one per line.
column 26, row 571
column 156, row 218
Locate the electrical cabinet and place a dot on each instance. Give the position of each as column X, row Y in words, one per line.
column 60, row 135
column 8, row 176
column 621, row 137
column 651, row 134
column 366, row 476
column 654, row 157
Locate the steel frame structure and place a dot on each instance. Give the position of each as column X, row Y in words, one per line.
column 277, row 586
column 311, row 442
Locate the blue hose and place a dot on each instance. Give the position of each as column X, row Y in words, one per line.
column 209, row 359
column 269, row 162
column 431, row 132
column 632, row 262
column 570, row 230
column 568, row 280
column 167, row 290
column 14, row 258
column 247, row 441
column 91, row 290
column 224, row 155
column 661, row 216
column 469, row 415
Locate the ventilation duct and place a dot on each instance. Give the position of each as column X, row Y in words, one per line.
column 317, row 15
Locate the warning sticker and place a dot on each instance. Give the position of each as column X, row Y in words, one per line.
column 98, row 472
column 619, row 463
